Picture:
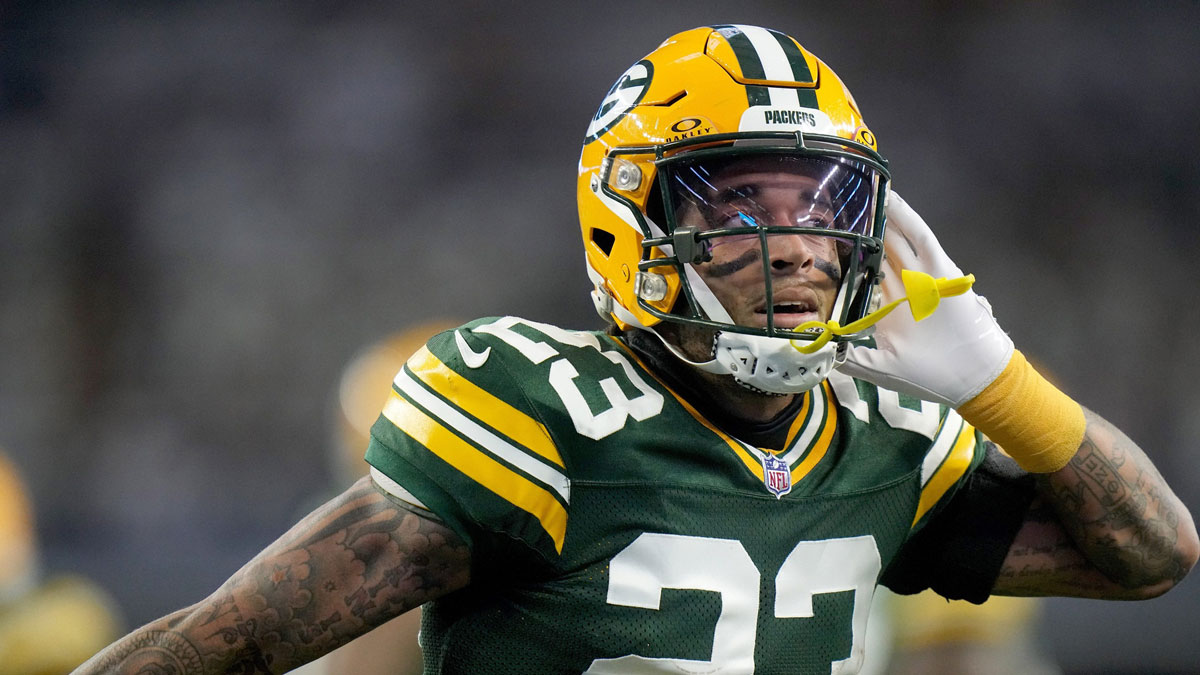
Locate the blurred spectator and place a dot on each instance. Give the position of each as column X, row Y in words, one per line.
column 45, row 628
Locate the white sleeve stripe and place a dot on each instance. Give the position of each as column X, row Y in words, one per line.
column 452, row 418
column 394, row 489
column 951, row 427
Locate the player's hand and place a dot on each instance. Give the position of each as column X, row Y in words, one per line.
column 948, row 357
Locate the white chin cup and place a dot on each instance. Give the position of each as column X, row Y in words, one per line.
column 772, row 365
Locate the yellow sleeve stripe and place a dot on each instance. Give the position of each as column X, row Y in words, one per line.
column 751, row 462
column 480, row 467
column 822, row 445
column 483, row 406
column 955, row 465
column 453, row 418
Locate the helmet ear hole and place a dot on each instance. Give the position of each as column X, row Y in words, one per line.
column 604, row 240
column 655, row 211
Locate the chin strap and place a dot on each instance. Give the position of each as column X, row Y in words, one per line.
column 921, row 291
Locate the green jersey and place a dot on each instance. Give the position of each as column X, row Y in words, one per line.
column 614, row 529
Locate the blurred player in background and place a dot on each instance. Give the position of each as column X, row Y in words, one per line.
column 362, row 391
column 935, row 636
column 46, row 627
column 364, row 387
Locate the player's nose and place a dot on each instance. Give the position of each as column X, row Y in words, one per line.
column 789, row 252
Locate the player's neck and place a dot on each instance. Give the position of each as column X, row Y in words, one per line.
column 718, row 391
column 741, row 402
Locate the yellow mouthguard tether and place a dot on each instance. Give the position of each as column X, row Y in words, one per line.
column 922, row 292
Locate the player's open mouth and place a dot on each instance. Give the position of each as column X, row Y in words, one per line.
column 789, row 314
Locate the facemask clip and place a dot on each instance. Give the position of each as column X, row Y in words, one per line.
column 689, row 248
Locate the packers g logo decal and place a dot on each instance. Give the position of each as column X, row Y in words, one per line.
column 626, row 93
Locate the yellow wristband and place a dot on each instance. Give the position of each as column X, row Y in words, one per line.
column 1036, row 424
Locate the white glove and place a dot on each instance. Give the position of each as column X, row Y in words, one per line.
column 948, row 357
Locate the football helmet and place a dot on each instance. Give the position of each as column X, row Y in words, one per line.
column 662, row 204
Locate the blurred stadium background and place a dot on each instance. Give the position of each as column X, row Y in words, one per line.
column 207, row 208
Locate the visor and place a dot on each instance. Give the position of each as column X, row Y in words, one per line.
column 729, row 198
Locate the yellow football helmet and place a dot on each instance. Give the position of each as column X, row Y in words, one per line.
column 704, row 101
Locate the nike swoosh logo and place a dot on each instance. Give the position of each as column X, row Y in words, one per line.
column 471, row 358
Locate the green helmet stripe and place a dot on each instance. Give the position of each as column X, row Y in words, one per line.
column 749, row 62
column 808, row 97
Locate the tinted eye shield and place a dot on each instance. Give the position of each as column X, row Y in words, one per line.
column 759, row 189
column 847, row 174
column 739, row 198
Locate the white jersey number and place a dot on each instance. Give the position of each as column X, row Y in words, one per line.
column 925, row 420
column 645, row 405
column 640, row 572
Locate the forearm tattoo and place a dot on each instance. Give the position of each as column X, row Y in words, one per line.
column 350, row 566
column 1113, row 506
column 1046, row 561
column 1116, row 514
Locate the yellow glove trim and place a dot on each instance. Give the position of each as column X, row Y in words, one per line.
column 921, row 291
column 1036, row 424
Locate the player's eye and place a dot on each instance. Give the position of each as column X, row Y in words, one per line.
column 738, row 218
column 817, row 220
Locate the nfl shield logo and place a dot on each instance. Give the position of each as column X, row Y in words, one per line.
column 777, row 476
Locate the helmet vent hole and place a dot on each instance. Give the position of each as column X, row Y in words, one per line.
column 604, row 240
column 671, row 101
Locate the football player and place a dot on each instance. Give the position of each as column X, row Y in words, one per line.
column 719, row 481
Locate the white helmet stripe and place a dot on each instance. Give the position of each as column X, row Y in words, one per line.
column 627, row 213
column 708, row 302
column 775, row 65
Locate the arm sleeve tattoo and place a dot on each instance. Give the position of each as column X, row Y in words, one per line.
column 348, row 567
column 1106, row 525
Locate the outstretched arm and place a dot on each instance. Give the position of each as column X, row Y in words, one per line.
column 1105, row 525
column 348, row 567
